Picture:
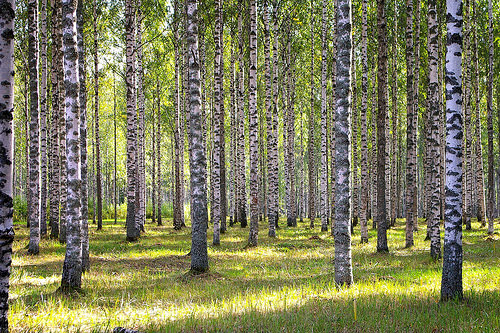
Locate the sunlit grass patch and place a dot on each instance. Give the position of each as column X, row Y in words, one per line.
column 283, row 285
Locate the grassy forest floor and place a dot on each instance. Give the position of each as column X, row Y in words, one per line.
column 284, row 285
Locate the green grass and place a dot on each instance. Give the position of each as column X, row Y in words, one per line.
column 284, row 285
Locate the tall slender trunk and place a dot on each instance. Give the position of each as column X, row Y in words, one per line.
column 232, row 140
column 62, row 136
column 115, row 196
column 141, row 102
column 133, row 231
column 292, row 210
column 434, row 137
column 489, row 110
column 272, row 131
column 158, row 155
column 222, row 116
column 324, row 122
column 354, row 141
column 332, row 119
column 153, row 162
column 467, row 194
column 253, row 128
column 7, row 154
column 416, row 92
column 364, row 125
column 218, row 142
column 43, row 118
column 83, row 136
column 451, row 284
column 98, row 175
column 54, row 172
column 72, row 267
column 34, row 156
column 373, row 152
column 411, row 131
column 242, row 198
column 395, row 122
column 343, row 260
column 199, row 215
column 311, row 139
column 381, row 128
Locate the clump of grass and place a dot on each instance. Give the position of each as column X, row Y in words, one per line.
column 285, row 284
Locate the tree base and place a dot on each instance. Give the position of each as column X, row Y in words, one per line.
column 70, row 291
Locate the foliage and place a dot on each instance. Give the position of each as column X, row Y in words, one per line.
column 20, row 209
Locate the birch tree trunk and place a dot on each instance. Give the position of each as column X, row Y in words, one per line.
column 62, row 133
column 240, row 81
column 324, row 122
column 6, row 154
column 141, row 103
column 133, row 231
column 222, row 116
column 34, row 152
column 343, row 261
column 381, row 128
column 253, row 127
column 434, row 154
column 83, row 136
column 272, row 131
column 158, row 156
column 216, row 205
column 311, row 142
column 72, row 268
column 395, row 123
column 292, row 209
column 115, row 194
column 54, row 172
column 467, row 194
column 199, row 215
column 43, row 118
column 98, row 175
column 451, row 284
column 332, row 120
column 411, row 131
column 364, row 126
column 489, row 110
column 178, row 212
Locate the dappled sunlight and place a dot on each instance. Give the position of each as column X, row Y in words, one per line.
column 144, row 285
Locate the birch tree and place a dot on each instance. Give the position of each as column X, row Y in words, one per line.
column 72, row 268
column 6, row 154
column 197, row 161
column 253, row 128
column 133, row 231
column 324, row 122
column 54, row 172
column 43, row 118
column 216, row 205
column 489, row 110
column 83, row 136
column 451, row 284
column 98, row 174
column 272, row 131
column 381, row 128
column 434, row 140
column 343, row 260
column 411, row 131
column 34, row 153
column 364, row 125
